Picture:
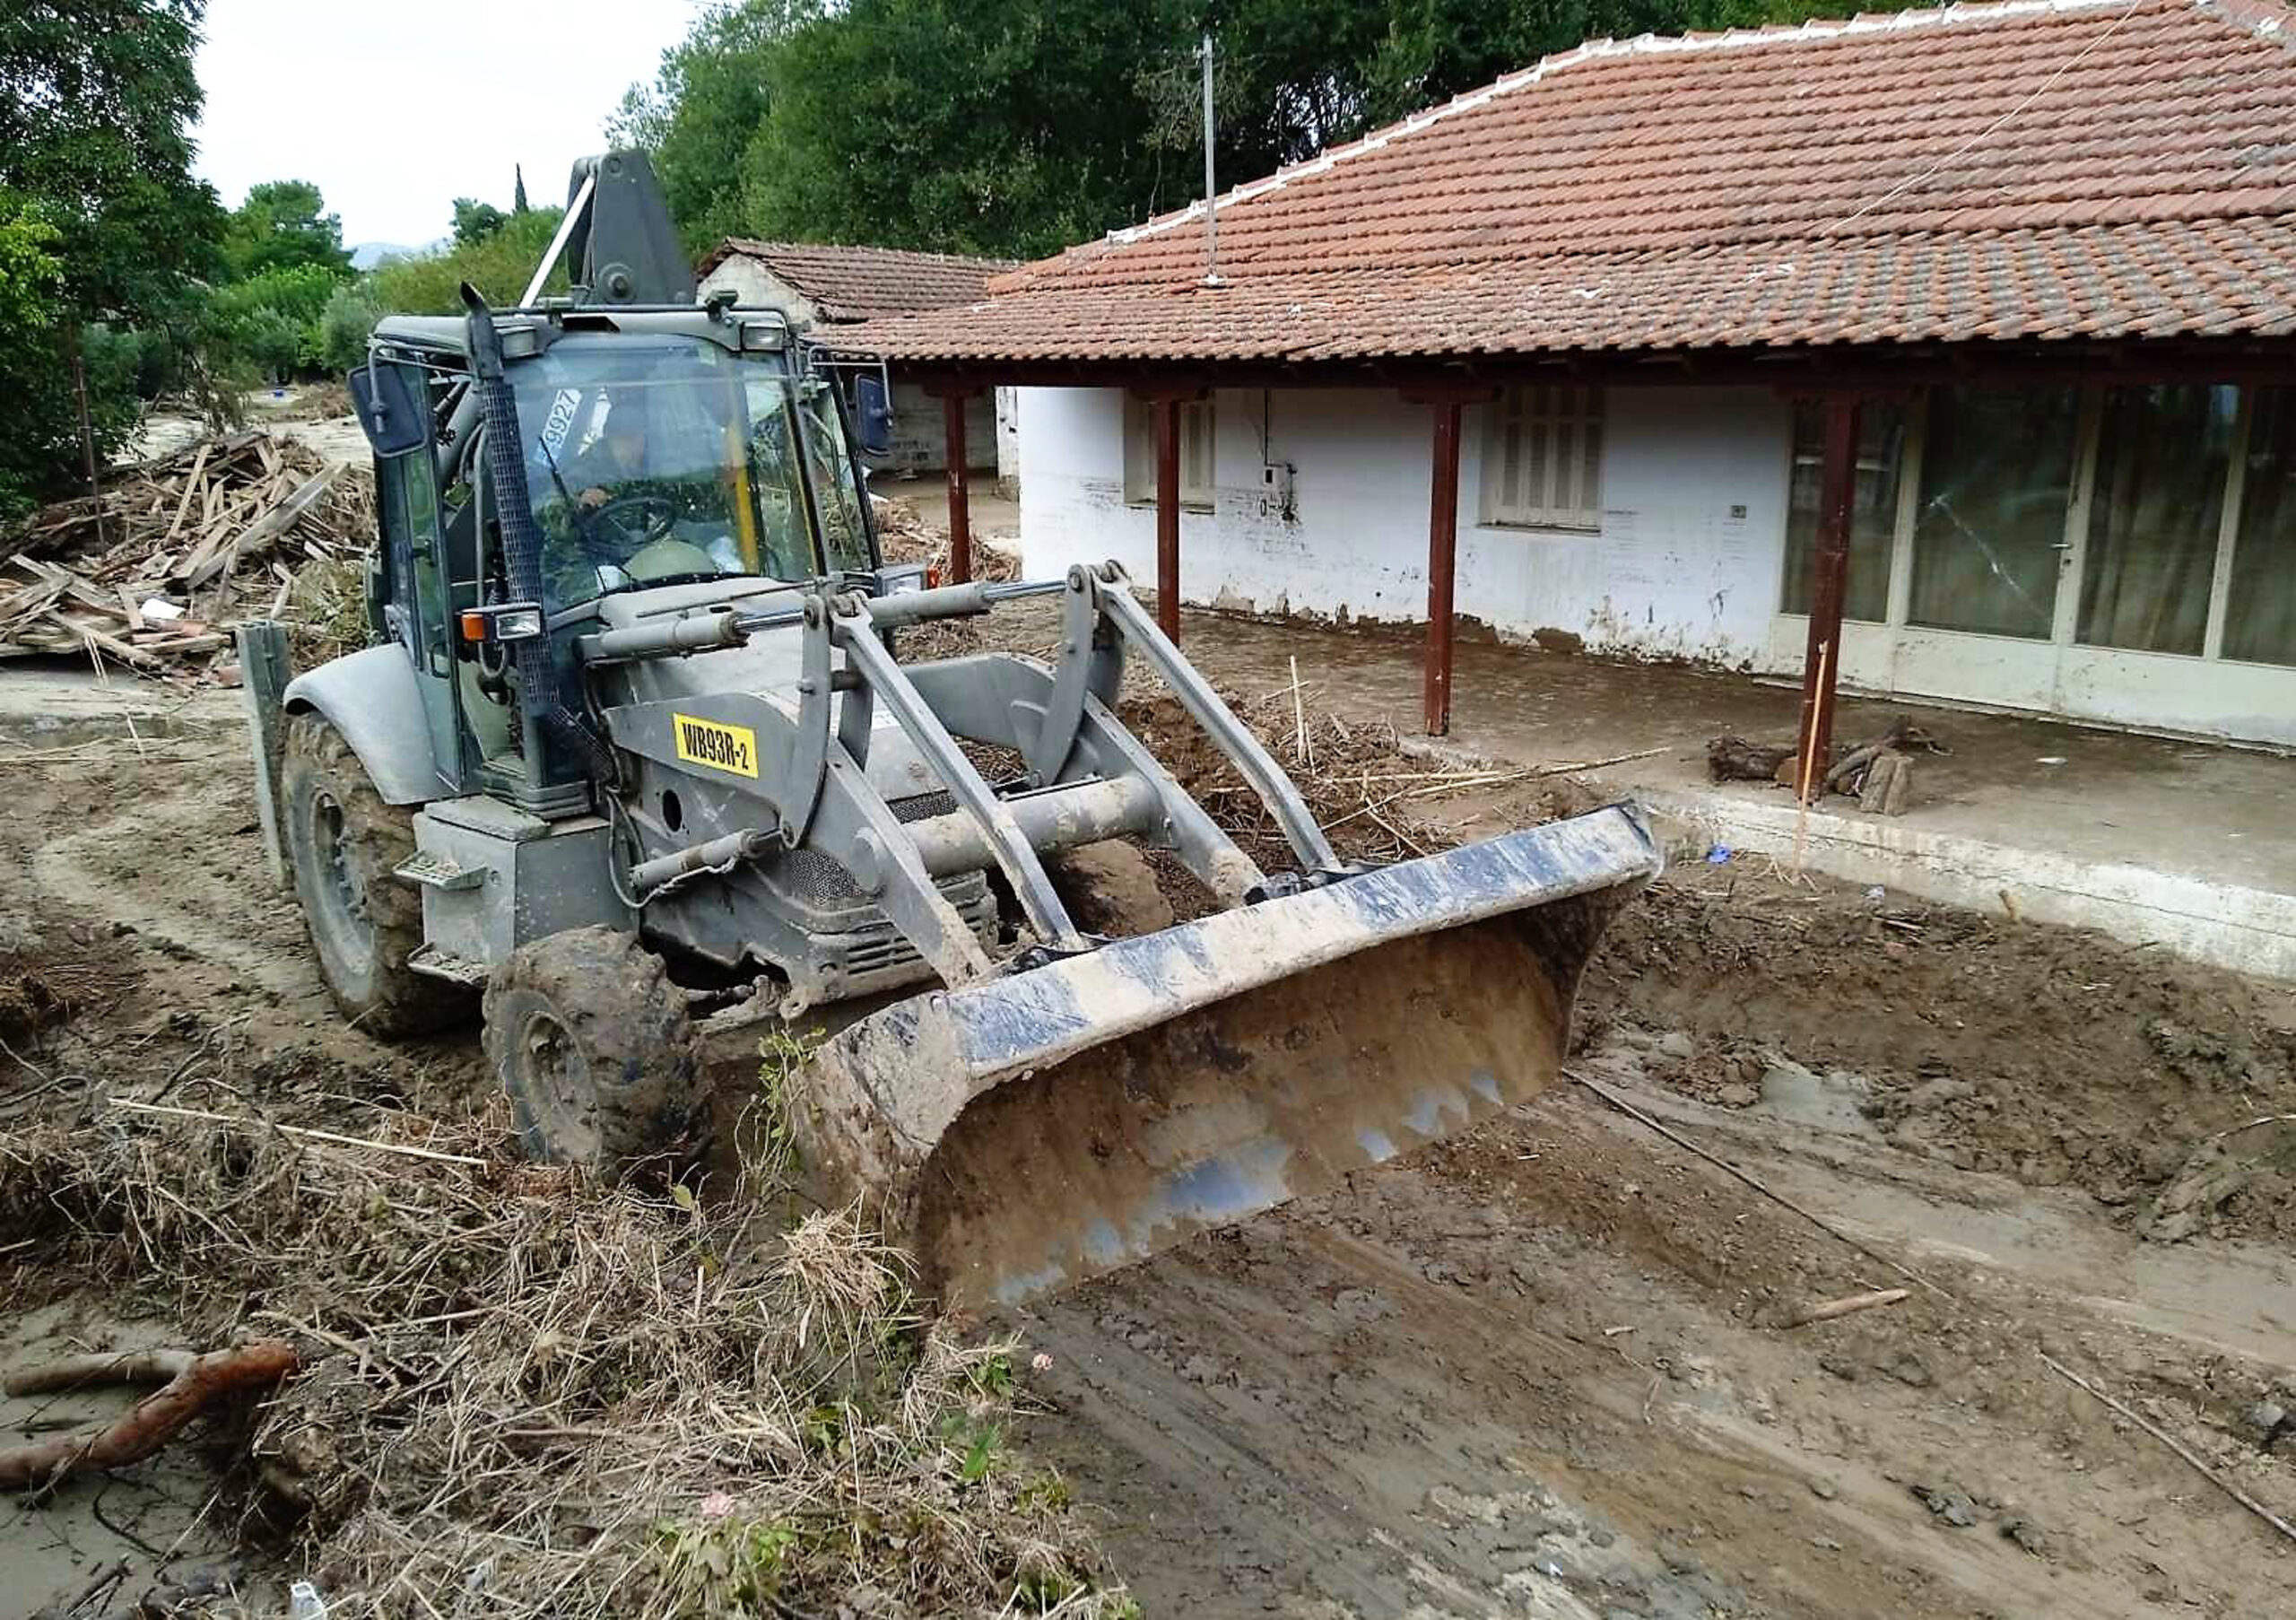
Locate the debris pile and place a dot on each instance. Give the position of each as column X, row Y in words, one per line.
column 182, row 548
column 1375, row 799
column 1878, row 772
column 518, row 1392
column 903, row 536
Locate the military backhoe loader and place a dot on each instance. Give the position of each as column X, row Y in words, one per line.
column 633, row 737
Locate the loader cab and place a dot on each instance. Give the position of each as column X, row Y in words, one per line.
column 664, row 451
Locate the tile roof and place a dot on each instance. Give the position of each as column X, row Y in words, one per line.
column 2033, row 169
column 861, row 283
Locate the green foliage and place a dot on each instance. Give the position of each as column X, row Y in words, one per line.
column 32, row 277
column 500, row 266
column 977, row 1445
column 728, row 1566
column 969, row 125
column 703, row 108
column 97, row 98
column 474, row 221
column 1018, row 127
column 280, row 227
column 518, row 189
column 268, row 326
column 345, row 324
column 32, row 289
column 771, row 1146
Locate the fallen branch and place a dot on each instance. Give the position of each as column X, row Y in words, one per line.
column 1601, row 764
column 2251, row 1125
column 151, row 1422
column 114, row 1367
column 299, row 1130
column 1846, row 1306
column 2174, row 1444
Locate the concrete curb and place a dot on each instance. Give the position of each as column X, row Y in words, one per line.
column 2250, row 931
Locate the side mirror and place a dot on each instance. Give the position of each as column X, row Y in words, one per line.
column 392, row 411
column 872, row 412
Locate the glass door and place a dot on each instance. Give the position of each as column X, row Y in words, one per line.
column 1994, row 538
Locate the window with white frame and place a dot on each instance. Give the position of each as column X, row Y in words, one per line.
column 2167, row 509
column 1542, row 460
column 1140, row 453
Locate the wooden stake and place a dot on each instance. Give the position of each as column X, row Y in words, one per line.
column 1442, row 565
column 1809, row 766
column 1299, row 721
column 1847, row 1306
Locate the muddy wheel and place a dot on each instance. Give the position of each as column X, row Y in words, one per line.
column 343, row 844
column 592, row 1046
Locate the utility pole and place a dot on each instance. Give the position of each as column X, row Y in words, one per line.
column 1211, row 225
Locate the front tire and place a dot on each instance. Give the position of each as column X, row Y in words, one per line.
column 592, row 1046
column 344, row 845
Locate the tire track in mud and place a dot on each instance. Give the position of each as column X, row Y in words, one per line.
column 1443, row 1391
column 169, row 866
column 1367, row 1438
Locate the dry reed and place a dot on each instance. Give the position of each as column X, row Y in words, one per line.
column 526, row 1394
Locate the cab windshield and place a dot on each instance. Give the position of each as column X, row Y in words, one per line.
column 665, row 462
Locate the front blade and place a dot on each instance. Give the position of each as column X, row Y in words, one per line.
column 1022, row 1134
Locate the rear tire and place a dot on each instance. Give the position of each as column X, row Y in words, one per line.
column 344, row 845
column 594, row 1048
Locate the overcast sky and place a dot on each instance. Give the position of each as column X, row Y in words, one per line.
column 395, row 108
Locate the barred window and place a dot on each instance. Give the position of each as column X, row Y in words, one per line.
column 1543, row 466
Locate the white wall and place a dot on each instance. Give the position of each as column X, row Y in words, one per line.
column 1687, row 561
column 754, row 287
column 920, row 435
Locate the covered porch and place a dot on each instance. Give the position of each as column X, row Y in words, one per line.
column 2153, row 839
column 2099, row 531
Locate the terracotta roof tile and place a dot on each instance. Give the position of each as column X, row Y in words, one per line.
column 2027, row 170
column 863, row 284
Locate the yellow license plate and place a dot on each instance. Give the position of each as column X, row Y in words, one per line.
column 715, row 745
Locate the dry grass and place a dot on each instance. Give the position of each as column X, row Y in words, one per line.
column 327, row 611
column 526, row 1395
column 1376, row 801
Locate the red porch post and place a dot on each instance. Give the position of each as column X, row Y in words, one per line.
column 1442, row 565
column 1168, row 515
column 1828, row 590
column 952, row 426
column 1447, row 402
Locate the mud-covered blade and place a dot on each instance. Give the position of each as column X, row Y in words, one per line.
column 1029, row 1131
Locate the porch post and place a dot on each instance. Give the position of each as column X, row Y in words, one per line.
column 1829, row 589
column 1442, row 563
column 1167, row 516
column 952, row 426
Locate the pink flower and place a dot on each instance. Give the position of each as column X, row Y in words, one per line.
column 1040, row 1361
column 717, row 1505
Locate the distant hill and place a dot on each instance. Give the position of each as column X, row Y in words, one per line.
column 366, row 255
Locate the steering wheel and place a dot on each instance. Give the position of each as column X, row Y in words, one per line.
column 639, row 519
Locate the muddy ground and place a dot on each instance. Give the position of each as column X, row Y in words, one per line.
column 1540, row 1369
